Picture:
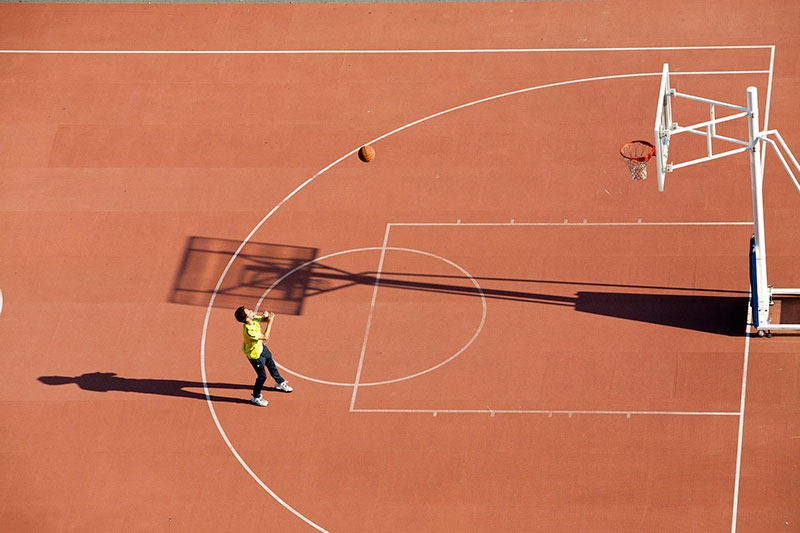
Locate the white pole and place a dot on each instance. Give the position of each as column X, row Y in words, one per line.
column 757, row 182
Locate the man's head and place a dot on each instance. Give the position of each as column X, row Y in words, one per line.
column 241, row 314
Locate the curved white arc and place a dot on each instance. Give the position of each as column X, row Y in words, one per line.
column 224, row 435
column 294, row 193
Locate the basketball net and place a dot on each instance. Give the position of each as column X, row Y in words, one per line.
column 636, row 155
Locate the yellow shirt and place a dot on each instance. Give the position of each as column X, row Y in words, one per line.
column 251, row 333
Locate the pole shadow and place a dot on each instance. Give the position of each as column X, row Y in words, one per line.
column 111, row 382
column 719, row 315
column 709, row 311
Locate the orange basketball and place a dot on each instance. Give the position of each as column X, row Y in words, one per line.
column 366, row 153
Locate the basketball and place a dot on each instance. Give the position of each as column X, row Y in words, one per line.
column 366, row 153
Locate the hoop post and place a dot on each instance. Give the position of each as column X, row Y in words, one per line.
column 757, row 143
column 757, row 184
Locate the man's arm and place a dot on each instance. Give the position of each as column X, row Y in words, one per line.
column 269, row 317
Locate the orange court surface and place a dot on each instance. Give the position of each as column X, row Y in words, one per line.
column 489, row 327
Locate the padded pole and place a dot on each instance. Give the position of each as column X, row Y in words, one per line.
column 754, row 282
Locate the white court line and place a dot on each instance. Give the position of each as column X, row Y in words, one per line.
column 391, row 51
column 737, row 477
column 371, row 313
column 549, row 412
column 769, row 93
column 565, row 223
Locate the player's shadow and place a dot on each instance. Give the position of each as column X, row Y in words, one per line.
column 110, row 381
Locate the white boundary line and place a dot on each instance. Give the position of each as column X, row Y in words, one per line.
column 769, row 88
column 549, row 412
column 390, row 51
column 566, row 223
column 737, row 476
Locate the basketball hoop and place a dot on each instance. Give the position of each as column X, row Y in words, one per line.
column 637, row 154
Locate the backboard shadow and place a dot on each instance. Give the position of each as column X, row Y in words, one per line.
column 256, row 268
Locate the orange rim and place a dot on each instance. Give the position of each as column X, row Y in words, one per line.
column 637, row 151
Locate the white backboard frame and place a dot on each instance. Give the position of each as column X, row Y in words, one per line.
column 663, row 127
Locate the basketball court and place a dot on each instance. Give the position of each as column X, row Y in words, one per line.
column 490, row 326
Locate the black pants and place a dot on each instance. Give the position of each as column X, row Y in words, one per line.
column 265, row 360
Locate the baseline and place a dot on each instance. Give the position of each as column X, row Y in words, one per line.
column 390, row 51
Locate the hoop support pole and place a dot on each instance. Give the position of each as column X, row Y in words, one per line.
column 757, row 143
column 703, row 125
column 757, row 181
column 676, row 166
column 780, row 148
column 786, row 292
column 709, row 101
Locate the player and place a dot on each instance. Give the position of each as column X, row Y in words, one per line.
column 257, row 353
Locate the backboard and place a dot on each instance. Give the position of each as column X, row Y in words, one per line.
column 663, row 127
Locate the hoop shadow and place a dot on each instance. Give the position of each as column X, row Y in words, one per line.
column 110, row 381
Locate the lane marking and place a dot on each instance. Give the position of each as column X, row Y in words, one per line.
column 370, row 314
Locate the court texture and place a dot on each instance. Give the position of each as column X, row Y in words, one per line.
column 489, row 327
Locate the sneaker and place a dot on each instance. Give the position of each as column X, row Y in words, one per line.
column 284, row 386
column 261, row 402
